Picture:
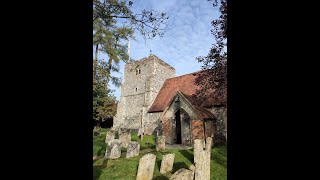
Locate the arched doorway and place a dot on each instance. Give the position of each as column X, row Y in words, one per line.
column 178, row 127
column 182, row 130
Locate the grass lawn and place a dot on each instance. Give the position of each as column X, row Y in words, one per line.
column 123, row 168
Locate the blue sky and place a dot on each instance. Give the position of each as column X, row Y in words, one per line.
column 188, row 35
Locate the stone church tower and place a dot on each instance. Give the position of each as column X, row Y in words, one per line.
column 143, row 80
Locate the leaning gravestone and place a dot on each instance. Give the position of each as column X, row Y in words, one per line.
column 167, row 163
column 208, row 143
column 125, row 137
column 146, row 167
column 112, row 142
column 113, row 151
column 140, row 133
column 161, row 143
column 202, row 170
column 197, row 148
column 208, row 159
column 133, row 149
column 208, row 149
column 193, row 169
column 110, row 136
column 182, row 174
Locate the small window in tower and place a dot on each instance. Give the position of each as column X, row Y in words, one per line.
column 139, row 71
column 136, row 89
column 136, row 71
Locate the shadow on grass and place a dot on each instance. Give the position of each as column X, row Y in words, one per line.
column 158, row 161
column 220, row 156
column 99, row 153
column 96, row 172
column 97, row 169
column 187, row 154
column 179, row 165
column 222, row 150
column 162, row 177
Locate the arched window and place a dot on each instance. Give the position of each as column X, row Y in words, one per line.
column 136, row 89
column 139, row 71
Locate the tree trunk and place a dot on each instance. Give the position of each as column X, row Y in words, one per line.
column 109, row 67
column 95, row 61
column 109, row 70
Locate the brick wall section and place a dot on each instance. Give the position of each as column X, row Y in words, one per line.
column 167, row 130
column 197, row 129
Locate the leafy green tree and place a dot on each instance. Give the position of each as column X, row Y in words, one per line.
column 113, row 25
column 216, row 61
column 214, row 80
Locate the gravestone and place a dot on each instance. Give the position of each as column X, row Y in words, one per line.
column 114, row 150
column 133, row 149
column 197, row 148
column 208, row 160
column 167, row 163
column 161, row 143
column 125, row 137
column 110, row 136
column 202, row 170
column 140, row 133
column 112, row 142
column 193, row 169
column 202, row 159
column 146, row 167
column 208, row 143
column 182, row 174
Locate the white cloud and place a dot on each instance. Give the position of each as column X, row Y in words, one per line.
column 187, row 37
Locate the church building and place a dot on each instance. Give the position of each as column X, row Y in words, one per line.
column 154, row 100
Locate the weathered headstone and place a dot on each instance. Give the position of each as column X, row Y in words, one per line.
column 125, row 137
column 197, row 148
column 202, row 159
column 182, row 174
column 140, row 133
column 208, row 143
column 193, row 169
column 133, row 149
column 166, row 163
column 161, row 143
column 114, row 150
column 110, row 136
column 208, row 160
column 146, row 167
column 202, row 166
column 112, row 142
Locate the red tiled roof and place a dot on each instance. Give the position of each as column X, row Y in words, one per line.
column 202, row 112
column 185, row 84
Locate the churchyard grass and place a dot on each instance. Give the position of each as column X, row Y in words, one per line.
column 123, row 168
